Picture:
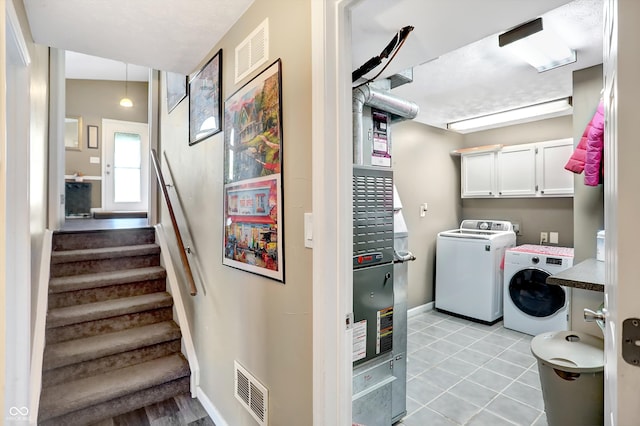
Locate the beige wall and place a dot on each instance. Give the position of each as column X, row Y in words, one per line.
column 93, row 100
column 588, row 213
column 263, row 324
column 425, row 172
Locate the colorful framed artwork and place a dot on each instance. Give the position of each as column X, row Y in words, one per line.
column 205, row 101
column 253, row 176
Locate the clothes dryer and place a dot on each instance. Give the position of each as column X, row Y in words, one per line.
column 531, row 305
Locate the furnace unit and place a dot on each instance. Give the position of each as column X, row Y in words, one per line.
column 379, row 275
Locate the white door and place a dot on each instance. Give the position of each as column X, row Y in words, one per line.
column 622, row 204
column 125, row 169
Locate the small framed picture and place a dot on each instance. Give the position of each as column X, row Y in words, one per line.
column 92, row 137
column 205, row 101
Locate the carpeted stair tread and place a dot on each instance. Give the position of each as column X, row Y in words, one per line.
column 102, row 413
column 106, row 309
column 89, row 348
column 103, row 253
column 78, row 394
column 103, row 279
column 74, row 240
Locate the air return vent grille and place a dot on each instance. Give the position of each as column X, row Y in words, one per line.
column 252, row 394
column 253, row 51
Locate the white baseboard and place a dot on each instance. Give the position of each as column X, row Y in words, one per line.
column 420, row 309
column 210, row 408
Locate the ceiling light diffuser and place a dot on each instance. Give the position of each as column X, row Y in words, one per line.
column 540, row 47
column 524, row 114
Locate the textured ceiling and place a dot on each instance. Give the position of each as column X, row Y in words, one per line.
column 464, row 73
column 168, row 35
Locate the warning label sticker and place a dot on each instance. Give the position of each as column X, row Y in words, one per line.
column 359, row 340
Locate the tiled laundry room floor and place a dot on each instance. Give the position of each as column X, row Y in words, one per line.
column 463, row 373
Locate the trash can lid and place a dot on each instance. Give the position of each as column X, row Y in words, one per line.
column 570, row 351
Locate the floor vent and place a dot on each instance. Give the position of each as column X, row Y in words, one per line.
column 252, row 52
column 251, row 394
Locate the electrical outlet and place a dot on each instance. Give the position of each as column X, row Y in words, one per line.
column 553, row 237
column 516, row 228
column 543, row 238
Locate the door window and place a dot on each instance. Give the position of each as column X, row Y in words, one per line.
column 127, row 168
column 530, row 293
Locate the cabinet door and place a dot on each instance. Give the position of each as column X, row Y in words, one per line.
column 517, row 171
column 478, row 175
column 553, row 178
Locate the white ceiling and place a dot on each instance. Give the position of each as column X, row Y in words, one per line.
column 168, row 35
column 463, row 72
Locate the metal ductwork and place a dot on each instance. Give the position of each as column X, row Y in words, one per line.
column 365, row 95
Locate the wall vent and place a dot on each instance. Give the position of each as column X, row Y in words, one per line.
column 252, row 394
column 253, row 51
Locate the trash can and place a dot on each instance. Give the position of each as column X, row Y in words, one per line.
column 571, row 366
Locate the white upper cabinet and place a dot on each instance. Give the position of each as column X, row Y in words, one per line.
column 517, row 171
column 554, row 179
column 527, row 170
column 478, row 175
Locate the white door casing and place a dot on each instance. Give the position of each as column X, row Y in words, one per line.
column 14, row 219
column 112, row 129
column 622, row 204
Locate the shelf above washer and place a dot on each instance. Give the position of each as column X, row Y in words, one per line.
column 587, row 275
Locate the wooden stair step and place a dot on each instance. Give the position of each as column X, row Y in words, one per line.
column 103, row 253
column 90, row 348
column 106, row 309
column 103, row 279
column 76, row 395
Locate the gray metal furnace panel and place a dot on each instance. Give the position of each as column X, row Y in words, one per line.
column 373, row 303
column 372, row 216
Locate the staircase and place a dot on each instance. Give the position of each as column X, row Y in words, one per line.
column 111, row 343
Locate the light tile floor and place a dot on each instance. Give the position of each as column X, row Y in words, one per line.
column 463, row 373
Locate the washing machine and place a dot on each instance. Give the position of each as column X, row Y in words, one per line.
column 531, row 305
column 468, row 269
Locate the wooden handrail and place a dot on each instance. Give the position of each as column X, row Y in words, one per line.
column 174, row 222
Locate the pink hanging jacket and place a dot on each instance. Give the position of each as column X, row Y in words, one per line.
column 595, row 148
column 587, row 156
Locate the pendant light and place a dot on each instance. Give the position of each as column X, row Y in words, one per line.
column 126, row 102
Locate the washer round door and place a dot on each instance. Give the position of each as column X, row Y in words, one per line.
column 530, row 293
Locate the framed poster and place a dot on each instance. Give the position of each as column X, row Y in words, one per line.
column 205, row 101
column 253, row 176
column 92, row 137
column 176, row 89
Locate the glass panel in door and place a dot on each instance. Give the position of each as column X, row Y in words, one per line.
column 127, row 168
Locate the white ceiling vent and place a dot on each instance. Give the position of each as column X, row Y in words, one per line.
column 253, row 51
column 252, row 394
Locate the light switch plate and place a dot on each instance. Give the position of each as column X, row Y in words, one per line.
column 308, row 230
column 94, row 160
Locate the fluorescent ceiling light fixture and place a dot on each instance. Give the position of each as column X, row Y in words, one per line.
column 543, row 49
column 524, row 114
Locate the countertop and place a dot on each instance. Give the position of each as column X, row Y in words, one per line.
column 588, row 275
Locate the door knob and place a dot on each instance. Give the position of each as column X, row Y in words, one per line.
column 599, row 317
